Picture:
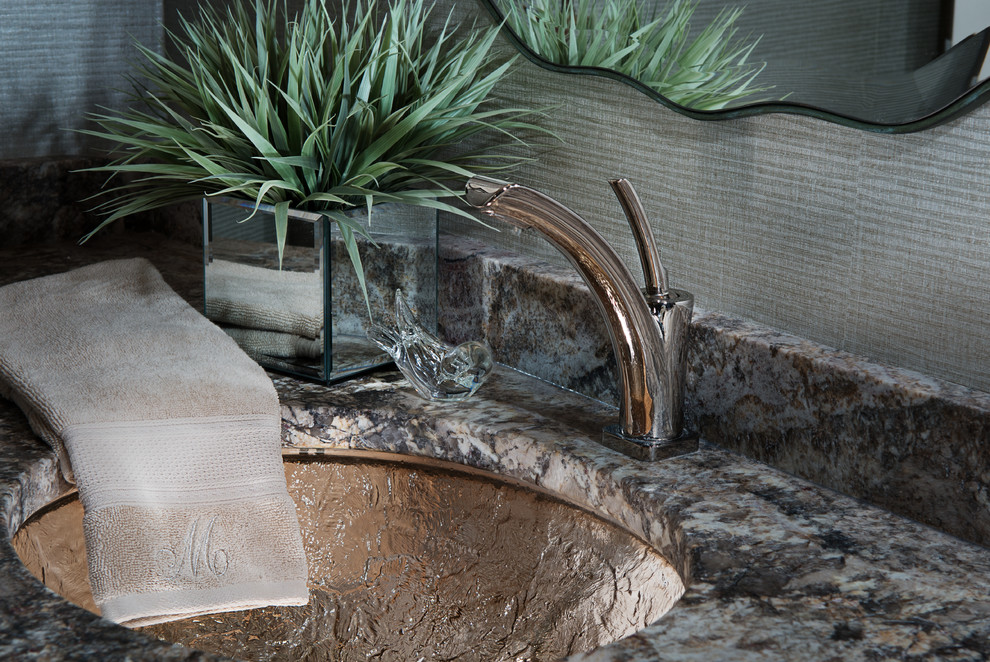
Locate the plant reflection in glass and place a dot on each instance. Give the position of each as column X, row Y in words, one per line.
column 652, row 46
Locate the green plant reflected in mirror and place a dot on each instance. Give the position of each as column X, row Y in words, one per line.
column 869, row 64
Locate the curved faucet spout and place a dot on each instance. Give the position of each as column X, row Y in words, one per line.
column 651, row 406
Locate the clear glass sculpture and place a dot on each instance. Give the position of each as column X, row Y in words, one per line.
column 438, row 371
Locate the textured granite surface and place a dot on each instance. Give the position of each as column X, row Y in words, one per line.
column 914, row 445
column 895, row 438
column 776, row 567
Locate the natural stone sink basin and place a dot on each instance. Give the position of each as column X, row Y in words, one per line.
column 414, row 559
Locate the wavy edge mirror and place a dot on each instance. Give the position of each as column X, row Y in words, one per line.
column 955, row 106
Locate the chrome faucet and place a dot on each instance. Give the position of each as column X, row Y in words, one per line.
column 648, row 327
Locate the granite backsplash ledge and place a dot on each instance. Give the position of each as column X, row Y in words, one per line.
column 917, row 446
column 773, row 567
column 914, row 445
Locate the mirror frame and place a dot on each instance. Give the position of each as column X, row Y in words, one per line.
column 972, row 99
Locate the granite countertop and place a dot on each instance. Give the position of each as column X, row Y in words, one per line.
column 775, row 567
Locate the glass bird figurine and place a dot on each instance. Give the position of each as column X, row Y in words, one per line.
column 437, row 370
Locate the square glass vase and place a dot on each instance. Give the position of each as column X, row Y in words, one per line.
column 308, row 318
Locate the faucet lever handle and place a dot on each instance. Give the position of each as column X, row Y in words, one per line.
column 649, row 255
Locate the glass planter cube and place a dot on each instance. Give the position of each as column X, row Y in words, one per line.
column 309, row 318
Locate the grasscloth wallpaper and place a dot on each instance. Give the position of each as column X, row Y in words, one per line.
column 874, row 244
column 59, row 60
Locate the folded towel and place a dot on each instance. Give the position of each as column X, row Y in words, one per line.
column 273, row 343
column 269, row 299
column 170, row 432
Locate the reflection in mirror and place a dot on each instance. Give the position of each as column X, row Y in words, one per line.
column 867, row 63
column 708, row 70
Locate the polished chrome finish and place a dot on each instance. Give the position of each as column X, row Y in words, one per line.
column 479, row 191
column 648, row 337
column 672, row 312
column 649, row 450
column 649, row 255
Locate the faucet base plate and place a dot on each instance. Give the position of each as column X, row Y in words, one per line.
column 648, row 448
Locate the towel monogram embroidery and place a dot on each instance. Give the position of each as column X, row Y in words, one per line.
column 194, row 553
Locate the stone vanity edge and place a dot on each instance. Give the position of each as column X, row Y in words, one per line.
column 912, row 444
column 894, row 438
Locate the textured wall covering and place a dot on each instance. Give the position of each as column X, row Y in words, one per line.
column 60, row 60
column 870, row 243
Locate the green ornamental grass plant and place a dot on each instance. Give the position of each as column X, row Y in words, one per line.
column 654, row 47
column 312, row 113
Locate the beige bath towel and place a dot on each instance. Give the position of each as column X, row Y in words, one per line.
column 172, row 435
column 269, row 299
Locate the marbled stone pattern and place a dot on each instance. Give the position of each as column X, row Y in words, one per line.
column 537, row 317
column 895, row 438
column 914, row 445
column 775, row 567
